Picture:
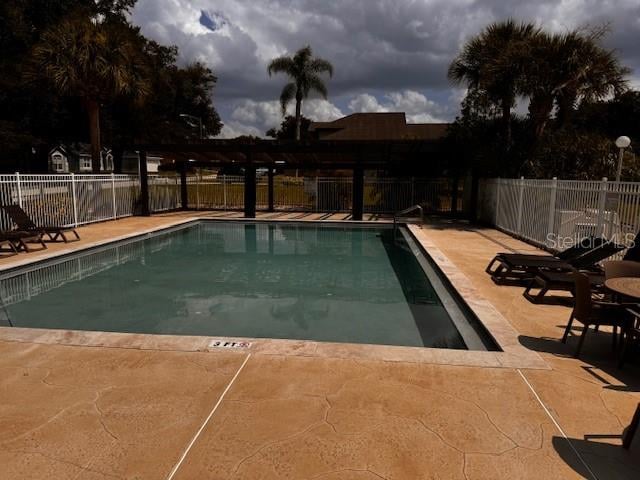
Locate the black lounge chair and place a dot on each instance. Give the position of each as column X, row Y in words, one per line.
column 25, row 224
column 518, row 268
column 7, row 246
column 564, row 280
column 20, row 240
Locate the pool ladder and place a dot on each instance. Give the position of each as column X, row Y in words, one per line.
column 403, row 214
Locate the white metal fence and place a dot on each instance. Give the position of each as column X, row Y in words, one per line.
column 164, row 193
column 323, row 194
column 78, row 199
column 69, row 199
column 553, row 213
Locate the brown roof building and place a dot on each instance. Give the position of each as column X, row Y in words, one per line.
column 377, row 126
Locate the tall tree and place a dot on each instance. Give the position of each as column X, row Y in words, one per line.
column 492, row 63
column 94, row 61
column 304, row 72
column 565, row 69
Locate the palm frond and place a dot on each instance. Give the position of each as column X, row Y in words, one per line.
column 315, row 83
column 281, row 65
column 320, row 65
column 288, row 94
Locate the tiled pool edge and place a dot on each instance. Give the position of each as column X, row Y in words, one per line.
column 513, row 355
column 505, row 335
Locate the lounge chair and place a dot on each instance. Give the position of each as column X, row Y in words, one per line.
column 591, row 312
column 517, row 267
column 24, row 223
column 21, row 241
column 7, row 246
column 563, row 280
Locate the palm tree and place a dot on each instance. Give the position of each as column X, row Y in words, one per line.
column 567, row 69
column 304, row 73
column 92, row 61
column 492, row 63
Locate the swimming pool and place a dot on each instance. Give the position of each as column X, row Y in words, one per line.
column 318, row 282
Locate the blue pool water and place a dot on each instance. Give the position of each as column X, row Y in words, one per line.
column 291, row 281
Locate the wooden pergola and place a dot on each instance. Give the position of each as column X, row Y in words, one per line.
column 252, row 154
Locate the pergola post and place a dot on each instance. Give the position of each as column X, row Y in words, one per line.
column 118, row 153
column 249, row 188
column 358, row 192
column 144, row 184
column 270, row 188
column 184, row 192
column 454, row 193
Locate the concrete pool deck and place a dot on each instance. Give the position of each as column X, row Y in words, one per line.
column 162, row 411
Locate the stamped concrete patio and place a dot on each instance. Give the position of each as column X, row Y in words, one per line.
column 154, row 407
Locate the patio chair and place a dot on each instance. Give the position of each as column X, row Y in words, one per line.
column 631, row 429
column 633, row 252
column 631, row 335
column 20, row 240
column 546, row 280
column 590, row 312
column 516, row 267
column 24, row 223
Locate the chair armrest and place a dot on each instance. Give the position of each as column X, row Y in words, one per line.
column 634, row 310
column 602, row 305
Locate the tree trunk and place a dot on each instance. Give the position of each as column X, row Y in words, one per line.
column 566, row 105
column 93, row 109
column 539, row 111
column 298, row 115
column 506, row 121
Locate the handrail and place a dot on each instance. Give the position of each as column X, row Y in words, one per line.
column 403, row 213
column 410, row 209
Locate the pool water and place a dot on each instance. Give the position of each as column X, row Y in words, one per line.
column 289, row 281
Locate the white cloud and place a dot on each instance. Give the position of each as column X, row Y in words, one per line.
column 250, row 117
column 233, row 129
column 418, row 108
column 366, row 103
column 386, row 47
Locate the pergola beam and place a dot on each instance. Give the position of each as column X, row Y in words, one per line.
column 320, row 154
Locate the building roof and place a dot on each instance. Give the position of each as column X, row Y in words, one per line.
column 377, row 126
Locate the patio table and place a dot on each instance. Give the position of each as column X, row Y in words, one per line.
column 627, row 286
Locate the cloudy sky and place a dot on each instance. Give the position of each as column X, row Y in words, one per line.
column 389, row 55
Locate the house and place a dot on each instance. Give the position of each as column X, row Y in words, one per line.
column 377, row 126
column 131, row 159
column 76, row 158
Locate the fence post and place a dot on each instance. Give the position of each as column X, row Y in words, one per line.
column 113, row 192
column 520, row 204
column 602, row 205
column 552, row 210
column 198, row 180
column 19, row 189
column 317, row 193
column 74, row 200
column 224, row 190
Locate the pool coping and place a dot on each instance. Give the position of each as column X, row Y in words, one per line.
column 513, row 354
